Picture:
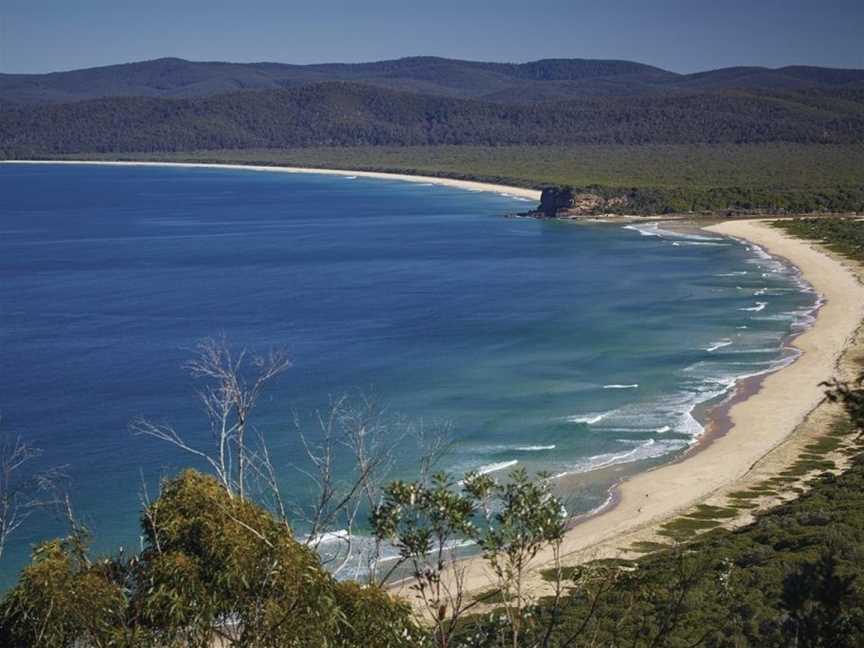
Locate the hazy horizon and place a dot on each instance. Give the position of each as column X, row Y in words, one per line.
column 413, row 56
column 39, row 36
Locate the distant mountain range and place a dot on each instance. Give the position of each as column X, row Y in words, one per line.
column 173, row 105
column 538, row 81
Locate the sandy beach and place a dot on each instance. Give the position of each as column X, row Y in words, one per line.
column 468, row 185
column 759, row 424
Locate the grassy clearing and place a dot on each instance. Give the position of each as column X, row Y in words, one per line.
column 707, row 512
column 646, row 546
column 684, row 528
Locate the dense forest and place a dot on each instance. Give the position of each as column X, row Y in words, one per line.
column 345, row 114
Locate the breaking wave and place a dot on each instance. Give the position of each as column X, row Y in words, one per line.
column 718, row 345
column 590, row 419
column 755, row 309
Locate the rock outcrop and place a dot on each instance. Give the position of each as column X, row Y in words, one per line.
column 566, row 202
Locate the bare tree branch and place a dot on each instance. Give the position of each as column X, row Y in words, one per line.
column 21, row 492
column 228, row 397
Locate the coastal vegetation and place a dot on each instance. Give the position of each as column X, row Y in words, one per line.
column 845, row 236
column 654, row 178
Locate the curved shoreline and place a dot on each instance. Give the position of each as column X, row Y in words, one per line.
column 468, row 185
column 763, row 415
column 714, row 418
column 762, row 411
column 761, row 420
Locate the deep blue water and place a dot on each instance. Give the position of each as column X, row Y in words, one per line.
column 560, row 346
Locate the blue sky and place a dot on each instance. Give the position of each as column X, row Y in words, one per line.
column 681, row 35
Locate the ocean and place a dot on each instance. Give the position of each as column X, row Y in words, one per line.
column 554, row 346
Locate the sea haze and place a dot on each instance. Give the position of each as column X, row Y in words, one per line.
column 548, row 345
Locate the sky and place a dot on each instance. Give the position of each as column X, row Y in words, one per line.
column 679, row 35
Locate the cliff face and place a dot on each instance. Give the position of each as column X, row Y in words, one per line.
column 565, row 202
column 556, row 199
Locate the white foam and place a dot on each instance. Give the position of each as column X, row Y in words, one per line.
column 535, row 448
column 737, row 273
column 779, row 317
column 654, row 229
column 634, row 430
column 703, row 243
column 495, row 467
column 645, row 230
column 718, row 345
column 590, row 419
column 673, row 412
column 330, row 537
column 610, row 499
column 772, row 367
column 650, row 449
column 367, row 552
column 764, row 260
column 753, row 350
column 633, row 386
column 755, row 309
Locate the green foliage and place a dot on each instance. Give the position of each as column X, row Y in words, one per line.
column 685, row 527
column 215, row 558
column 707, row 512
column 213, row 567
column 522, row 518
column 346, row 114
column 821, row 602
column 510, row 522
column 62, row 599
column 842, row 235
column 373, row 618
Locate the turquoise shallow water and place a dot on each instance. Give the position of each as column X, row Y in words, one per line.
column 554, row 346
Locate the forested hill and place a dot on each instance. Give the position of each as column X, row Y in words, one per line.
column 170, row 105
column 349, row 114
column 537, row 81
